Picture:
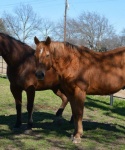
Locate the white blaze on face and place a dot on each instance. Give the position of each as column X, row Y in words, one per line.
column 47, row 53
column 41, row 51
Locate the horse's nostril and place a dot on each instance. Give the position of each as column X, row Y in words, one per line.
column 36, row 74
column 40, row 75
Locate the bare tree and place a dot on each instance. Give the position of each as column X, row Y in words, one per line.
column 58, row 31
column 24, row 23
column 89, row 29
column 122, row 37
column 46, row 28
column 93, row 29
column 2, row 26
column 71, row 33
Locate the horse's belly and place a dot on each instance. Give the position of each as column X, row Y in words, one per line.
column 102, row 91
column 106, row 86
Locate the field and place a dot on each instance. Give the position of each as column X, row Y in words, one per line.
column 104, row 125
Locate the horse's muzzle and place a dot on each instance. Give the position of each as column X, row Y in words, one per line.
column 40, row 75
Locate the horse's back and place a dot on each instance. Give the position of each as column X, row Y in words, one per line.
column 101, row 73
column 105, row 74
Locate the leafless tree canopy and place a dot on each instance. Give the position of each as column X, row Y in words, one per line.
column 122, row 37
column 2, row 26
column 89, row 29
column 24, row 23
column 46, row 28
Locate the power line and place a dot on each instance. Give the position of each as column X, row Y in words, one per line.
column 31, row 2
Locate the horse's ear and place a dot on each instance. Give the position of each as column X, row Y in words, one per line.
column 36, row 40
column 48, row 40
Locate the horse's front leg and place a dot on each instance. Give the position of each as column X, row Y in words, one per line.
column 77, row 105
column 17, row 94
column 30, row 102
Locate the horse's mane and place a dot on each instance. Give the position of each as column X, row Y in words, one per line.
column 16, row 47
column 77, row 48
column 86, row 49
column 9, row 37
column 71, row 45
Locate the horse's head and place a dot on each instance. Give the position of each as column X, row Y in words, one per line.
column 43, row 59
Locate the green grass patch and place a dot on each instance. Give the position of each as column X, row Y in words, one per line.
column 104, row 125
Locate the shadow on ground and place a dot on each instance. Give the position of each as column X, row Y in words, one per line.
column 50, row 122
column 95, row 103
column 46, row 124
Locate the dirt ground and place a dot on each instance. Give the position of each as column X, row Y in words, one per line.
column 120, row 94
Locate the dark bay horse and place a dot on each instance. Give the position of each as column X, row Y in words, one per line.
column 82, row 71
column 21, row 74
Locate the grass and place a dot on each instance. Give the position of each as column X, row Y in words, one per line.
column 104, row 125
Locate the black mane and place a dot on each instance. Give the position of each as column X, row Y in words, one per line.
column 11, row 37
column 14, row 49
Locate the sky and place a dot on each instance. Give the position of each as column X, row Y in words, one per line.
column 113, row 10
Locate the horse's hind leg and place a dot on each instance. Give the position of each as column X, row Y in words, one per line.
column 17, row 94
column 30, row 102
column 63, row 104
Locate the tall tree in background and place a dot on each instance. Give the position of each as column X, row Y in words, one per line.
column 122, row 37
column 93, row 28
column 23, row 23
column 46, row 28
column 58, row 31
column 89, row 29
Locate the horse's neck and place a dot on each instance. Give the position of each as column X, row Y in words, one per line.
column 14, row 55
column 66, row 65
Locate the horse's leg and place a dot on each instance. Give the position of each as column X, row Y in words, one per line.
column 77, row 105
column 64, row 102
column 30, row 102
column 17, row 94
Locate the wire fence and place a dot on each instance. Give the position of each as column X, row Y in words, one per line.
column 3, row 67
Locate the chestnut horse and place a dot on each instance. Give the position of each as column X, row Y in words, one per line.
column 21, row 74
column 82, row 71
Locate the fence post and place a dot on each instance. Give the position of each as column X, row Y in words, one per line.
column 111, row 99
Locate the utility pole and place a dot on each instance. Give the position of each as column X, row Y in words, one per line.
column 65, row 19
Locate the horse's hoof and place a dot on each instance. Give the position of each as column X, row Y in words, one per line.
column 75, row 140
column 28, row 131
